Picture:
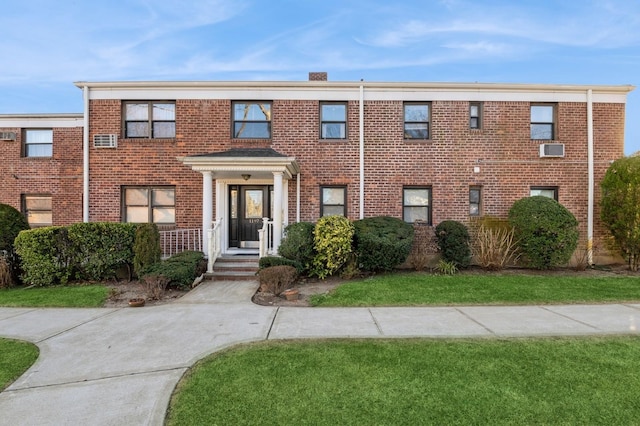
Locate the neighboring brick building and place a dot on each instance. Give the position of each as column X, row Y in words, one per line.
column 41, row 166
column 184, row 153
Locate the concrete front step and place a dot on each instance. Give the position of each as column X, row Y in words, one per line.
column 234, row 268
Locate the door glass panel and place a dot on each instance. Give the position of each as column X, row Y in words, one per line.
column 253, row 203
column 234, row 204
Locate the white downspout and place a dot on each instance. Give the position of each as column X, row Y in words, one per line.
column 85, row 156
column 361, row 151
column 591, row 176
column 298, row 197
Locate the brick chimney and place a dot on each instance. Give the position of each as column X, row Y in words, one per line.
column 317, row 76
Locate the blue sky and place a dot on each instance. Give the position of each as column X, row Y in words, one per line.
column 46, row 45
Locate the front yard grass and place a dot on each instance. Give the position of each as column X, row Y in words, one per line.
column 422, row 289
column 16, row 358
column 80, row 296
column 410, row 381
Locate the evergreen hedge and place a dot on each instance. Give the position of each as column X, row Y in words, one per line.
column 381, row 243
column 546, row 231
column 454, row 242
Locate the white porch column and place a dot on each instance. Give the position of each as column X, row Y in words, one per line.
column 207, row 209
column 277, row 207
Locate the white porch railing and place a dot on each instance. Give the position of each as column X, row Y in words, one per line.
column 215, row 244
column 178, row 240
column 266, row 237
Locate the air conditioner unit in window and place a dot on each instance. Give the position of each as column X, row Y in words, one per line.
column 552, row 150
column 7, row 136
column 105, row 141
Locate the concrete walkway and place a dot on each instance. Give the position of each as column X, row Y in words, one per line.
column 120, row 366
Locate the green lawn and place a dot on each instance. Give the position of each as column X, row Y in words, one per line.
column 420, row 289
column 16, row 358
column 86, row 296
column 389, row 382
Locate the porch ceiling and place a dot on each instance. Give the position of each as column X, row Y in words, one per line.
column 258, row 162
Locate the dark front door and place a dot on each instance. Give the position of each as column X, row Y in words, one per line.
column 249, row 204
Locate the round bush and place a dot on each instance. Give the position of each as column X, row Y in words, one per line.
column 11, row 223
column 453, row 240
column 297, row 244
column 332, row 240
column 547, row 232
column 381, row 243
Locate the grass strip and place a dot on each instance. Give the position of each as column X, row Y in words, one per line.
column 411, row 381
column 16, row 358
column 83, row 296
column 420, row 289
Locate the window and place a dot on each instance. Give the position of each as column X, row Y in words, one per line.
column 149, row 204
column 333, row 200
column 545, row 191
column 416, row 204
column 38, row 143
column 37, row 209
column 252, row 120
column 475, row 115
column 333, row 120
column 150, row 120
column 416, row 121
column 475, row 197
column 542, row 122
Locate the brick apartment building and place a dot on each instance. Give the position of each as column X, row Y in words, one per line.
column 183, row 154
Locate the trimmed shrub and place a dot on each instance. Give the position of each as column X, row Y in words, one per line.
column 619, row 207
column 493, row 242
column 381, row 243
column 146, row 247
column 38, row 251
column 269, row 261
column 181, row 269
column 547, row 232
column 332, row 239
column 101, row 247
column 297, row 245
column 453, row 240
column 11, row 223
column 276, row 279
column 56, row 254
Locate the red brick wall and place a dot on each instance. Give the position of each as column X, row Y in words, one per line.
column 508, row 159
column 59, row 175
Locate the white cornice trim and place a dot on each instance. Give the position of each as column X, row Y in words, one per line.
column 351, row 91
column 41, row 120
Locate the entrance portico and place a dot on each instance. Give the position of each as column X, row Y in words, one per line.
column 251, row 184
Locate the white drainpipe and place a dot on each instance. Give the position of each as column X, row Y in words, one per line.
column 361, row 151
column 591, row 176
column 298, row 197
column 85, row 156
